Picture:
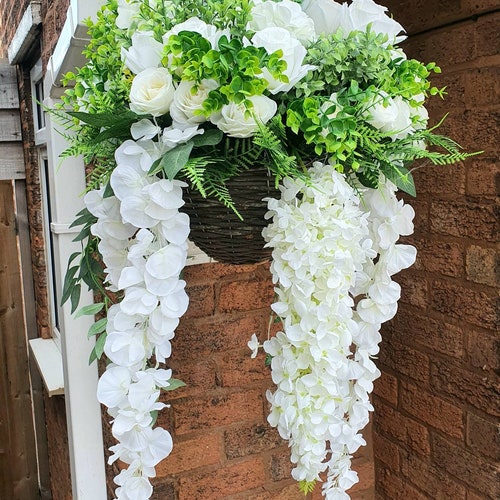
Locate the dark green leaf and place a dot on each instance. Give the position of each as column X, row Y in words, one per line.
column 75, row 297
column 402, row 178
column 103, row 119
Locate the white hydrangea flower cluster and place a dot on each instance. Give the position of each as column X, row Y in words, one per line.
column 143, row 242
column 334, row 252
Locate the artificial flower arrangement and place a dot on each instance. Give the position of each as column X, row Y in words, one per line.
column 180, row 93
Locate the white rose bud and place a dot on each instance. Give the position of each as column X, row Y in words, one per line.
column 284, row 14
column 393, row 117
column 326, row 14
column 145, row 52
column 127, row 10
column 207, row 31
column 232, row 120
column 273, row 39
column 152, row 92
column 186, row 103
column 363, row 12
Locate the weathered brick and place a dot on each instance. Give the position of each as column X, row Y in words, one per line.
column 216, row 272
column 238, row 369
column 483, row 265
column 483, row 177
column 405, row 360
column 219, row 409
column 284, row 491
column 386, row 386
column 483, row 436
column 199, row 377
column 201, row 451
column 386, row 451
column 222, row 482
column 202, row 336
column 392, row 487
column 431, row 410
column 421, row 220
column 448, row 179
column 487, row 38
column 245, row 295
column 464, row 219
column 486, row 79
column 279, row 465
column 483, row 350
column 464, row 303
column 431, row 480
column 201, row 301
column 418, row 329
column 466, row 467
column 163, row 490
column 439, row 257
column 414, row 289
column 396, row 426
column 463, row 385
column 249, row 439
column 366, row 475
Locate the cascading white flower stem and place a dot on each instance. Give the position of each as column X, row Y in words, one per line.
column 143, row 242
column 333, row 256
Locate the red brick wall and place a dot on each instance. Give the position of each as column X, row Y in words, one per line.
column 53, row 18
column 223, row 446
column 436, row 429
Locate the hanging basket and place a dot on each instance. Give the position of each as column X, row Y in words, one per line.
column 218, row 231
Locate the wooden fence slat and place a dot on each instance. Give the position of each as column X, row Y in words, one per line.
column 11, row 161
column 10, row 125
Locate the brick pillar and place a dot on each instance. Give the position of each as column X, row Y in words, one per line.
column 436, row 431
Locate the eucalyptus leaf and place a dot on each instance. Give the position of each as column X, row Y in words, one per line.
column 210, row 137
column 175, row 159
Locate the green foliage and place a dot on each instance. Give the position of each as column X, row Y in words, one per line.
column 307, row 486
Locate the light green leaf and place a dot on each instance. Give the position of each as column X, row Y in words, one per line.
column 89, row 310
column 98, row 349
column 97, row 327
column 173, row 384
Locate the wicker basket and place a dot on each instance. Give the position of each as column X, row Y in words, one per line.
column 219, row 232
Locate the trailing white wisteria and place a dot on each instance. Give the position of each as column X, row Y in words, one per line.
column 334, row 252
column 195, row 93
column 143, row 243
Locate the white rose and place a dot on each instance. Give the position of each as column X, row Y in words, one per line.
column 273, row 39
column 152, row 92
column 186, row 103
column 127, row 10
column 392, row 116
column 363, row 12
column 326, row 14
column 285, row 14
column 234, row 123
column 145, row 52
column 207, row 31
